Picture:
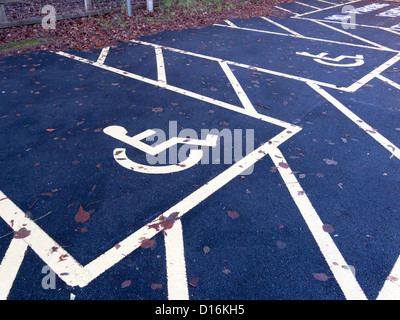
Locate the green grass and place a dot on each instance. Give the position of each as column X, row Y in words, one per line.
column 22, row 44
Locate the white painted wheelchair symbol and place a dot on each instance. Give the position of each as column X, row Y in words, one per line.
column 323, row 59
column 195, row 155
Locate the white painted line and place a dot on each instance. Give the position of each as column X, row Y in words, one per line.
column 103, row 55
column 395, row 151
column 350, row 24
column 396, row 26
column 388, row 81
column 162, row 78
column 333, row 86
column 10, row 265
column 282, row 27
column 358, row 84
column 248, row 106
column 327, row 2
column 54, row 255
column 339, row 267
column 328, row 8
column 354, row 36
column 230, row 23
column 176, row 265
column 391, row 287
column 306, row 5
column 310, row 38
column 183, row 91
column 74, row 274
column 283, row 9
column 392, row 13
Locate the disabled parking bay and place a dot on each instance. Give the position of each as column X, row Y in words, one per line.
column 252, row 159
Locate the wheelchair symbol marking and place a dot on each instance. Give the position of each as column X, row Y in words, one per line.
column 195, row 155
column 323, row 59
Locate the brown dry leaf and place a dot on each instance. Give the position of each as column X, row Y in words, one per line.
column 321, row 276
column 328, row 228
column 47, row 194
column 156, row 286
column 126, row 284
column 50, row 130
column 283, row 165
column 194, row 282
column 148, row 244
column 82, row 215
column 21, row 233
column 233, row 214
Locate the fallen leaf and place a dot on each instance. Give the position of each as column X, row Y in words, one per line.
column 392, row 278
column 82, row 215
column 320, row 276
column 320, row 175
column 328, row 228
column 21, row 233
column 157, row 109
column 233, row 214
column 126, row 284
column 280, row 244
column 223, row 123
column 283, row 165
column 156, row 286
column 194, row 282
column 206, row 249
column 148, row 244
column 47, row 194
column 226, row 271
column 50, row 130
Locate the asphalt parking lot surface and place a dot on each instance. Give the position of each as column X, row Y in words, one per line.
column 271, row 171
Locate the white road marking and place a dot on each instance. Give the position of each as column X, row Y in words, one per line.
column 354, row 36
column 388, row 81
column 103, row 55
column 391, row 287
column 374, row 47
column 358, row 121
column 306, row 5
column 230, row 23
column 73, row 273
column 327, row 8
column 339, row 267
column 282, row 27
column 392, row 13
column 377, row 71
column 283, row 9
column 183, row 91
column 176, row 265
column 396, row 26
column 160, row 66
column 351, row 24
column 327, row 2
column 322, row 58
column 10, row 265
column 248, row 106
